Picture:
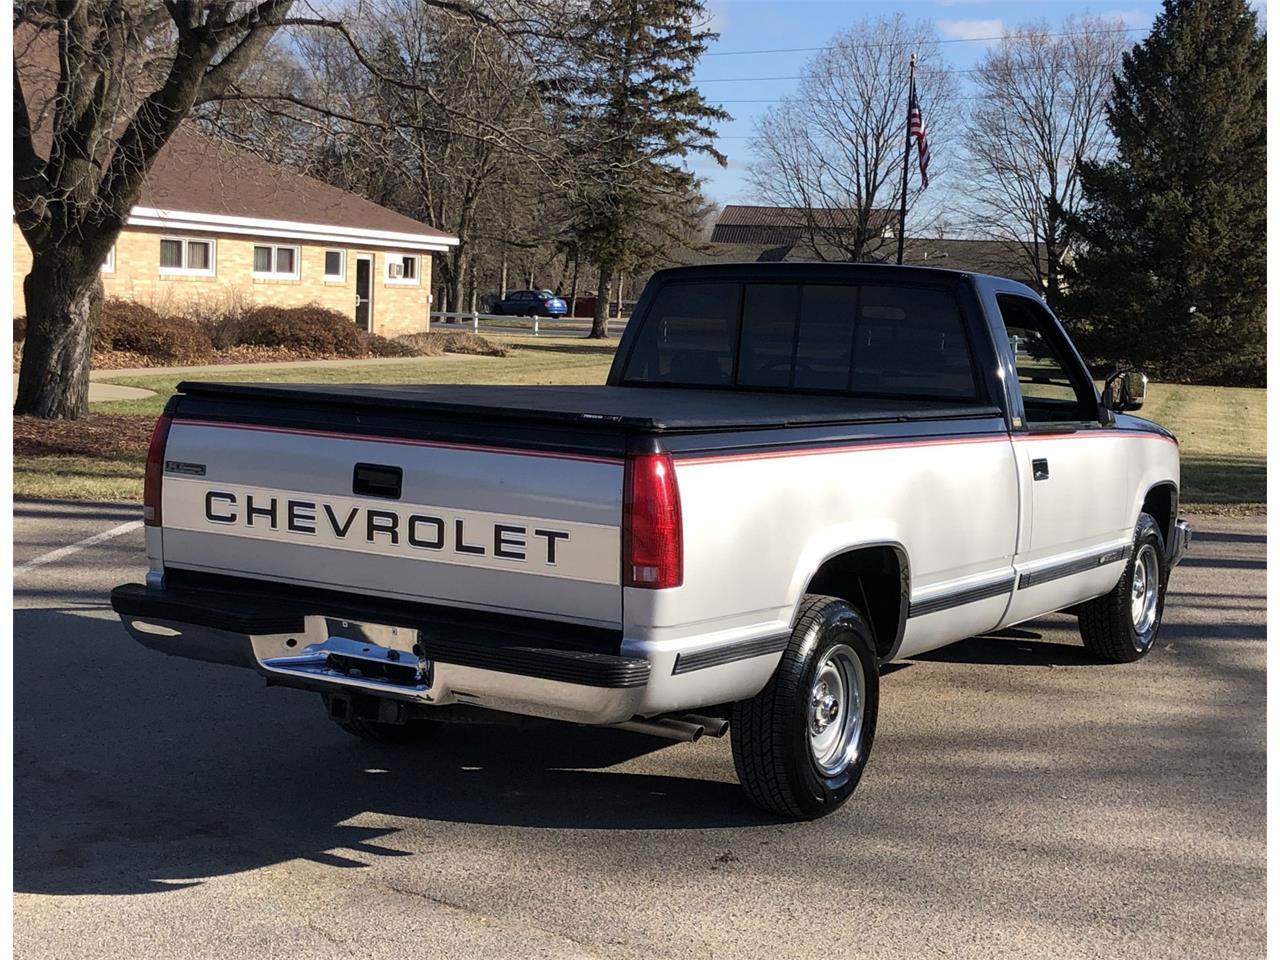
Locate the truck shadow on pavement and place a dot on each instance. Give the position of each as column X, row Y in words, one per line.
column 135, row 772
column 1014, row 646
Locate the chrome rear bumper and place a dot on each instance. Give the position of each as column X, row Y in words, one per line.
column 417, row 664
column 1180, row 541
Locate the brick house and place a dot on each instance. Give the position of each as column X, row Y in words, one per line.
column 222, row 225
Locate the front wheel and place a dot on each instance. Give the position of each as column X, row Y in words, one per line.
column 800, row 745
column 1121, row 626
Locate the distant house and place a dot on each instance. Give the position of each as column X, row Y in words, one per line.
column 780, row 226
column 218, row 224
column 745, row 234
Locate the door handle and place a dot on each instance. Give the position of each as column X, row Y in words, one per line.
column 1040, row 469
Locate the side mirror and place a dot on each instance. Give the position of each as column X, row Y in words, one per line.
column 1125, row 390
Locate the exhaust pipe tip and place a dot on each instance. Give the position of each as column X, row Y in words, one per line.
column 712, row 726
column 667, row 728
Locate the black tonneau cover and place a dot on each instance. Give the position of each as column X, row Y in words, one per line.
column 649, row 409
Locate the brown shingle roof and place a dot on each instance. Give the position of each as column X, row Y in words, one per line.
column 194, row 174
column 198, row 175
column 748, row 224
column 995, row 257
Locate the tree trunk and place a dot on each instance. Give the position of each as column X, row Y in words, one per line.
column 502, row 286
column 573, row 288
column 604, row 287
column 62, row 303
column 458, row 282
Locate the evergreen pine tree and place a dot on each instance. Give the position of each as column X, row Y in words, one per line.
column 632, row 114
column 1171, row 276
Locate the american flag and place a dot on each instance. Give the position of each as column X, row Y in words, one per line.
column 915, row 122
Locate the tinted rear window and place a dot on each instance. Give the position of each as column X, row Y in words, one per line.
column 689, row 336
column 868, row 339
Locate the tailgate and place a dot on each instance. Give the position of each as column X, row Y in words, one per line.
column 469, row 522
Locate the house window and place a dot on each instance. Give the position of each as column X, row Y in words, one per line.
column 274, row 262
column 193, row 257
column 335, row 265
column 402, row 268
column 109, row 264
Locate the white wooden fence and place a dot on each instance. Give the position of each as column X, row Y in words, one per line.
column 473, row 318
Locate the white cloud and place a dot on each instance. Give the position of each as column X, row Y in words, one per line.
column 717, row 15
column 1131, row 18
column 971, row 29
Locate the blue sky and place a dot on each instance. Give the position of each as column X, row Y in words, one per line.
column 756, row 25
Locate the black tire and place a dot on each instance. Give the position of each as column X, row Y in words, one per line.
column 771, row 732
column 416, row 730
column 1107, row 623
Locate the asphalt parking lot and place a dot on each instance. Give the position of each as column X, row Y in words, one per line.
column 1022, row 801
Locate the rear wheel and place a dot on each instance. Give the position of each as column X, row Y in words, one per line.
column 1121, row 626
column 801, row 744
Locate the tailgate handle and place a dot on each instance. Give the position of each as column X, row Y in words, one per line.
column 376, row 480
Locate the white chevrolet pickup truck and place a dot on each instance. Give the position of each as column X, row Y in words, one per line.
column 795, row 474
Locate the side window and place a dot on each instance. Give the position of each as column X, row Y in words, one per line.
column 1054, row 387
column 688, row 337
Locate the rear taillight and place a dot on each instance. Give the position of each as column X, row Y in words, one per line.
column 652, row 538
column 155, row 471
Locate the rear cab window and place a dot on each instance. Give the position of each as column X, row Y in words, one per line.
column 866, row 339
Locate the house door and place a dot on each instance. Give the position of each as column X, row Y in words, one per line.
column 364, row 291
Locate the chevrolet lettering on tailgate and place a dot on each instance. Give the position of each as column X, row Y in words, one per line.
column 576, row 551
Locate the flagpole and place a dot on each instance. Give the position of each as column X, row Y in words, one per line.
column 906, row 160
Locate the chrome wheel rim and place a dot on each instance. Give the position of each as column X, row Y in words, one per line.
column 835, row 710
column 1144, row 597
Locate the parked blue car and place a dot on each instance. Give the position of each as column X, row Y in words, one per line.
column 531, row 303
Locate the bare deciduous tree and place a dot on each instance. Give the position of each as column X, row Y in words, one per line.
column 834, row 149
column 1041, row 110
column 127, row 74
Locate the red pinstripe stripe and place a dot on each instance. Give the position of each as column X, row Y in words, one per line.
column 404, row 441
column 922, row 442
column 848, row 448
column 1088, row 435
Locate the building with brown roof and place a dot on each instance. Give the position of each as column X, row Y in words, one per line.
column 744, row 234
column 220, row 225
column 778, row 226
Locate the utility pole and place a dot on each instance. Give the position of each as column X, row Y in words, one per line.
column 906, row 160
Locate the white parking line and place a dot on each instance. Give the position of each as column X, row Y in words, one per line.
column 53, row 556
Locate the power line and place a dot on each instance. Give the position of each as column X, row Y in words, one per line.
column 936, row 103
column 887, row 76
column 904, row 43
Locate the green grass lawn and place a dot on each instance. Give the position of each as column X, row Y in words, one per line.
column 1223, row 436
column 541, row 360
column 1222, row 429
